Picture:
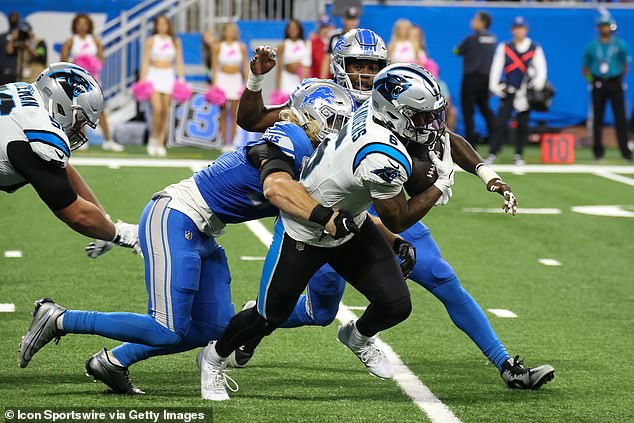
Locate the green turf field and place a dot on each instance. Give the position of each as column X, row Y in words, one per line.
column 577, row 317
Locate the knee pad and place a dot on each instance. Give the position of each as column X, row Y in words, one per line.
column 166, row 338
column 441, row 271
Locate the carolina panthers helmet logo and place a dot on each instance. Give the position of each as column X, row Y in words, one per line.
column 323, row 93
column 388, row 174
column 391, row 86
column 73, row 83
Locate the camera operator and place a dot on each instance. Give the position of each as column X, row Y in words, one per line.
column 29, row 52
column 8, row 58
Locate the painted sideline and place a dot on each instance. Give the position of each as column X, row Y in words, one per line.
column 435, row 409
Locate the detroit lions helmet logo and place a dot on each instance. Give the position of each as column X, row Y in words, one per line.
column 388, row 174
column 323, row 93
column 73, row 83
column 391, row 86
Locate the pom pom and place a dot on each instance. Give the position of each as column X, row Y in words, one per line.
column 278, row 97
column 181, row 92
column 142, row 90
column 215, row 96
column 432, row 67
column 91, row 63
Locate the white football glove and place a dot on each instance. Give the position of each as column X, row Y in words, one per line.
column 445, row 171
column 98, row 247
column 127, row 235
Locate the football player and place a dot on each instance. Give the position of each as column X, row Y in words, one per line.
column 366, row 164
column 186, row 271
column 40, row 124
column 356, row 59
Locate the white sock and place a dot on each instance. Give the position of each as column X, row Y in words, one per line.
column 356, row 337
column 212, row 357
column 59, row 323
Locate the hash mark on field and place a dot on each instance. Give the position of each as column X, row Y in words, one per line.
column 614, row 177
column 13, row 254
column 549, row 262
column 519, row 210
column 251, row 258
column 7, row 308
column 425, row 399
column 358, row 308
column 501, row 312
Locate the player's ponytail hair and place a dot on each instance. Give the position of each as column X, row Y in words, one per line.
column 307, row 123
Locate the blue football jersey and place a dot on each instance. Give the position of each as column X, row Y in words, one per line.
column 231, row 185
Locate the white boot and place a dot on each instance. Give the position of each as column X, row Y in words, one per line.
column 112, row 146
column 213, row 380
column 363, row 347
column 151, row 147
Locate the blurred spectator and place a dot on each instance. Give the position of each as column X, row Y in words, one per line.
column 24, row 54
column 350, row 21
column 517, row 64
column 293, row 58
column 417, row 35
column 84, row 43
column 606, row 60
column 230, row 71
column 401, row 49
column 318, row 44
column 208, row 41
column 451, row 115
column 162, row 61
column 8, row 56
column 477, row 54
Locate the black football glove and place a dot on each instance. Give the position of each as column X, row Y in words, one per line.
column 407, row 253
column 345, row 225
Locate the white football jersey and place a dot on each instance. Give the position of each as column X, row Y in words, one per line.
column 346, row 172
column 24, row 118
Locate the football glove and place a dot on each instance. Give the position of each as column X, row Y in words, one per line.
column 407, row 254
column 344, row 224
column 127, row 235
column 98, row 248
column 445, row 171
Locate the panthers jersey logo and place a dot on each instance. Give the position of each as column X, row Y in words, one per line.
column 72, row 83
column 391, row 86
column 388, row 174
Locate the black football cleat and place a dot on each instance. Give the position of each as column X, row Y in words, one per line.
column 517, row 376
column 43, row 329
column 115, row 377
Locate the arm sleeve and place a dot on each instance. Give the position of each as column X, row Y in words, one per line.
column 541, row 69
column 382, row 175
column 496, row 71
column 587, row 57
column 50, row 181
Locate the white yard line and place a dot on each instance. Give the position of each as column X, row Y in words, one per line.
column 614, row 177
column 520, row 210
column 252, row 258
column 199, row 164
column 7, row 308
column 435, row 409
column 502, row 312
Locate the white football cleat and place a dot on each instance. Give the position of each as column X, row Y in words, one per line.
column 110, row 145
column 213, row 380
column 363, row 347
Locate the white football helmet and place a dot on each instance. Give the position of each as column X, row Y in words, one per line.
column 407, row 99
column 72, row 97
column 324, row 102
column 355, row 45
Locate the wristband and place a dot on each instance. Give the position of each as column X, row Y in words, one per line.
column 397, row 243
column 486, row 174
column 321, row 214
column 254, row 82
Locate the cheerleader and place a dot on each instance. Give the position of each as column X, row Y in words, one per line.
column 401, row 48
column 84, row 43
column 229, row 72
column 162, row 62
column 294, row 58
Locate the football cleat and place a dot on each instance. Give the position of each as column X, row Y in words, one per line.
column 213, row 380
column 43, row 329
column 372, row 358
column 115, row 377
column 517, row 376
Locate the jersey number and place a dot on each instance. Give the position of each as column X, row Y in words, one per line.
column 6, row 104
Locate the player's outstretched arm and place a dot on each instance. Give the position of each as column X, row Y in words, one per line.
column 252, row 114
column 81, row 187
column 468, row 159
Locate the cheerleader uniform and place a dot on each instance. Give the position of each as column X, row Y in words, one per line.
column 162, row 79
column 294, row 52
column 83, row 46
column 230, row 54
column 404, row 52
